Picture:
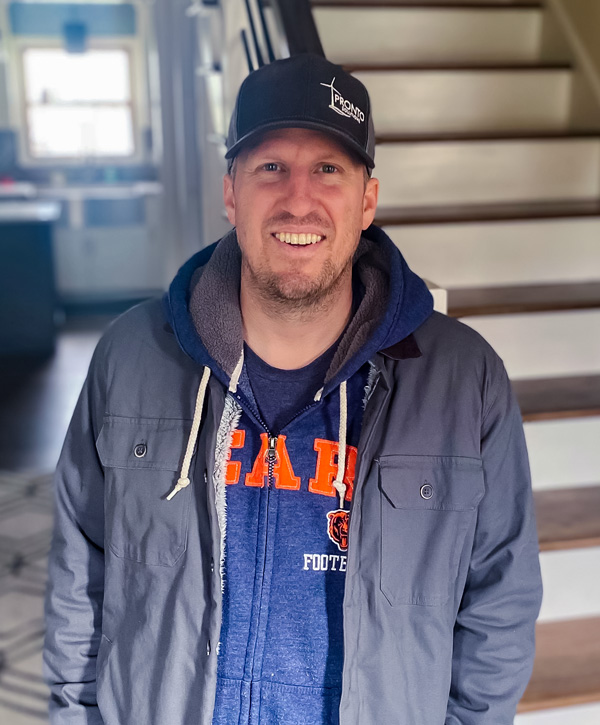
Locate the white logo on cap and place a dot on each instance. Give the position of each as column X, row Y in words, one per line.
column 340, row 105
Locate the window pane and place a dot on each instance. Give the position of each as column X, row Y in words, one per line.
column 54, row 76
column 77, row 131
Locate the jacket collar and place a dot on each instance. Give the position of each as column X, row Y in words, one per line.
column 403, row 350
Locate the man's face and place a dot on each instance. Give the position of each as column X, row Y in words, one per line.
column 298, row 182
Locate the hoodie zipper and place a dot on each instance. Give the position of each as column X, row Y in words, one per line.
column 270, row 459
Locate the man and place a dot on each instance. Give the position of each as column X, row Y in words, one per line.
column 293, row 494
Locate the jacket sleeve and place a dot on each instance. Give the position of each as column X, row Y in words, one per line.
column 76, row 566
column 494, row 634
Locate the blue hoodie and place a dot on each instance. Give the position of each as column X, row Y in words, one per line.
column 281, row 647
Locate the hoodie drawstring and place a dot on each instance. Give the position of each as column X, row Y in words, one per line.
column 339, row 484
column 235, row 376
column 184, row 481
column 187, row 460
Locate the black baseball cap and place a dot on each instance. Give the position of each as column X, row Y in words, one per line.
column 304, row 91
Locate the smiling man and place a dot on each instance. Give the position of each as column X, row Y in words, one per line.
column 293, row 494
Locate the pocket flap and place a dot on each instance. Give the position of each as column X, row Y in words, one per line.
column 446, row 483
column 157, row 443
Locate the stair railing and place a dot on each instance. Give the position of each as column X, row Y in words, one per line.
column 237, row 36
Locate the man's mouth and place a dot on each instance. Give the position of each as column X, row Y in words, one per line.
column 300, row 240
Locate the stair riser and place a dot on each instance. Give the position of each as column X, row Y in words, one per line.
column 583, row 715
column 428, row 35
column 468, row 101
column 564, row 453
column 529, row 252
column 570, row 587
column 545, row 344
column 414, row 174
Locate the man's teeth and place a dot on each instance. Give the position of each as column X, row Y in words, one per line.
column 298, row 239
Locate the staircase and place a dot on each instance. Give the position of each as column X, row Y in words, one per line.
column 489, row 160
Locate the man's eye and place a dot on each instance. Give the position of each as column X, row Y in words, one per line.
column 271, row 166
column 329, row 168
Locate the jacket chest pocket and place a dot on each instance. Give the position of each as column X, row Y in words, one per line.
column 428, row 504
column 141, row 459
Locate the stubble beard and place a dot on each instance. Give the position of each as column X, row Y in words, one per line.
column 293, row 296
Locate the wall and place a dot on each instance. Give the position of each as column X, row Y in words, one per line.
column 580, row 20
column 585, row 17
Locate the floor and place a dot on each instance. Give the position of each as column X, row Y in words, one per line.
column 37, row 398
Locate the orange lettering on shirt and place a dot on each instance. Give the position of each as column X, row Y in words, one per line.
column 326, row 471
column 234, row 468
column 283, row 473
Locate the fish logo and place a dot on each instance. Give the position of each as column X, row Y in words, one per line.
column 337, row 528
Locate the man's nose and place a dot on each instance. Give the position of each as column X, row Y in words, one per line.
column 299, row 193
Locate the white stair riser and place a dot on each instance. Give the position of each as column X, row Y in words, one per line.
column 428, row 35
column 544, row 344
column 582, row 715
column 571, row 584
column 499, row 253
column 468, row 101
column 564, row 453
column 413, row 174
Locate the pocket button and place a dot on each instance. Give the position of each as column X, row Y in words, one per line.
column 140, row 450
column 426, row 491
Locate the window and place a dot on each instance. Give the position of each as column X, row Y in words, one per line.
column 78, row 105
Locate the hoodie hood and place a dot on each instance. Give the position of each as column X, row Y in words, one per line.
column 395, row 303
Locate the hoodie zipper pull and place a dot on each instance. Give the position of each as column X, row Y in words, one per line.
column 271, row 457
column 272, row 450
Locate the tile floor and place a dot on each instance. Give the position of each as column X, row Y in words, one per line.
column 36, row 402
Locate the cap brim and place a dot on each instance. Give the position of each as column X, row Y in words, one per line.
column 339, row 135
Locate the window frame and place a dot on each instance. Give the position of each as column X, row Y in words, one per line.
column 139, row 116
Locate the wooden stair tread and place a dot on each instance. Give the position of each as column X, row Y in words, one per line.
column 553, row 398
column 568, row 518
column 467, row 213
column 484, row 67
column 515, row 299
column 567, row 665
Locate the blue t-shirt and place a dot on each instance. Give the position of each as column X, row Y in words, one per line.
column 281, row 394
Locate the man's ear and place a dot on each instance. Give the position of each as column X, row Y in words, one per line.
column 229, row 198
column 370, row 202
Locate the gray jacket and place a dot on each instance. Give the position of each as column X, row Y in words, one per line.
column 442, row 584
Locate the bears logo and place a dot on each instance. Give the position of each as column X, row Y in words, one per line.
column 337, row 528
